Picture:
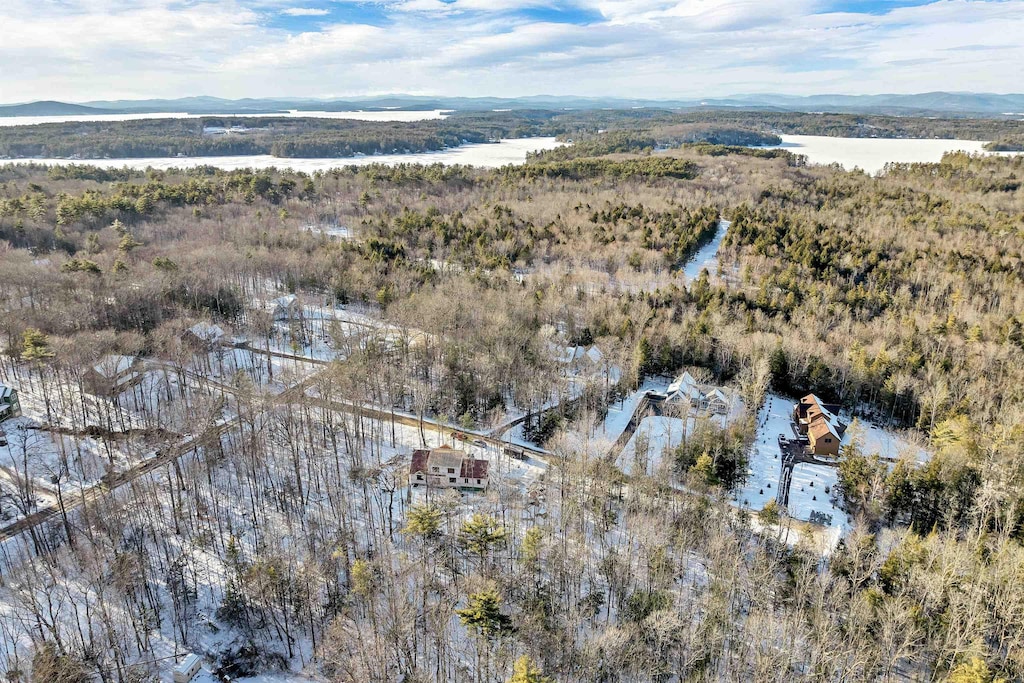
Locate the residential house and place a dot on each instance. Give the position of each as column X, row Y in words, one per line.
column 286, row 308
column 203, row 336
column 703, row 398
column 113, row 375
column 577, row 359
column 447, row 467
column 9, row 405
column 820, row 422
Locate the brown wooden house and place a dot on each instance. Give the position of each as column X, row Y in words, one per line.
column 821, row 423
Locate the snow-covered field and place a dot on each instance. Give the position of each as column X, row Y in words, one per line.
column 871, row 154
column 889, row 444
column 656, row 437
column 652, row 444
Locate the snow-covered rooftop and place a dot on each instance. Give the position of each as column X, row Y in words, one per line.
column 113, row 365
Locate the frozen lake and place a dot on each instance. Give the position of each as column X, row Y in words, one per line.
column 871, row 154
column 485, row 155
column 400, row 115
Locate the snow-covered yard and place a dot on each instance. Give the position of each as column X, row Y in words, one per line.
column 765, row 460
column 620, row 412
column 812, row 496
column 889, row 444
column 651, row 444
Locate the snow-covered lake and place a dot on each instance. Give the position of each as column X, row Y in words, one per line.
column 871, row 154
column 486, row 155
column 398, row 115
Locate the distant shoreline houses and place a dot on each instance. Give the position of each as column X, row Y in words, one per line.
column 448, row 468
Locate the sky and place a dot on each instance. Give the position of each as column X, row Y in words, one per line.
column 81, row 50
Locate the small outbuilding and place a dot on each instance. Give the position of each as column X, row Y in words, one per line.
column 187, row 669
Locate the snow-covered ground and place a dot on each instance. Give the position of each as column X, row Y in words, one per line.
column 620, row 412
column 337, row 232
column 707, row 257
column 225, row 365
column 765, row 460
column 889, row 444
column 652, row 444
column 812, row 496
column 807, row 495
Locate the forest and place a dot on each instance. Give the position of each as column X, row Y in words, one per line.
column 594, row 132
column 250, row 499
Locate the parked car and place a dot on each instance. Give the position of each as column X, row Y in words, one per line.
column 515, row 453
column 480, row 442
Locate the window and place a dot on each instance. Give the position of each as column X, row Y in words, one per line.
column 478, row 481
column 451, row 470
column 828, row 440
column 451, row 480
column 433, row 469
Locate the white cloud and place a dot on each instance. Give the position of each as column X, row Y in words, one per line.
column 92, row 49
column 305, row 12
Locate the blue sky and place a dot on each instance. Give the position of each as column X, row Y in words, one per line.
column 79, row 50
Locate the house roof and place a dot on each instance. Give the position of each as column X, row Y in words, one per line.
column 5, row 393
column 718, row 394
column 419, row 461
column 473, row 468
column 207, row 331
column 820, row 427
column 113, row 365
column 812, row 401
column 683, row 382
column 187, row 663
column 446, row 457
column 571, row 354
column 287, row 300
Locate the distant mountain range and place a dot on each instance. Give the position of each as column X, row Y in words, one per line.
column 922, row 104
